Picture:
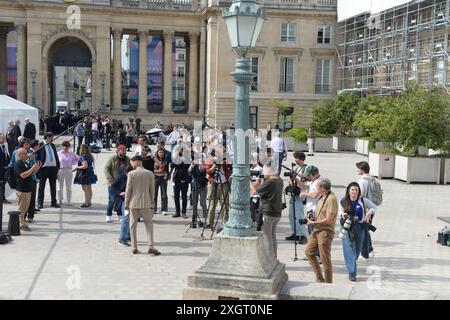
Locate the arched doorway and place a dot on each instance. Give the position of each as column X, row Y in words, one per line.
column 69, row 75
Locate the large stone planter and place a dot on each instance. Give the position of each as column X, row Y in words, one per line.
column 290, row 143
column 300, row 146
column 415, row 169
column 343, row 144
column 323, row 144
column 446, row 171
column 382, row 165
column 362, row 146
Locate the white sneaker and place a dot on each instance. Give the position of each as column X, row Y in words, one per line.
column 119, row 218
column 108, row 219
column 69, row 203
column 371, row 255
column 164, row 213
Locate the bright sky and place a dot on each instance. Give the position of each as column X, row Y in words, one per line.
column 350, row 8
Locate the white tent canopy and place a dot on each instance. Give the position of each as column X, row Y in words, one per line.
column 12, row 109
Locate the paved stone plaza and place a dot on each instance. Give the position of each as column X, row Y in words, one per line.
column 72, row 253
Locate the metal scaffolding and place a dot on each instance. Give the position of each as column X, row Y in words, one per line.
column 380, row 53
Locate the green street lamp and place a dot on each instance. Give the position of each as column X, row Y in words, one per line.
column 102, row 79
column 244, row 20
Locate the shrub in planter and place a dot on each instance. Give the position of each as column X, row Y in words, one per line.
column 422, row 119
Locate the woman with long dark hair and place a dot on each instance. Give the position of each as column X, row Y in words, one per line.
column 359, row 211
column 85, row 174
column 161, row 177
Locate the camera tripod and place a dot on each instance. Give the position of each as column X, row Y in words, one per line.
column 291, row 192
column 224, row 203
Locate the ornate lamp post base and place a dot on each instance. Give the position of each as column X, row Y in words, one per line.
column 238, row 267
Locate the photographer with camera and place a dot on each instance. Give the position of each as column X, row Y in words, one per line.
column 322, row 237
column 271, row 193
column 356, row 213
column 296, row 183
column 199, row 187
column 256, row 174
column 312, row 194
column 219, row 174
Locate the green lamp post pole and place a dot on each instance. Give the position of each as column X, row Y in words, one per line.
column 244, row 20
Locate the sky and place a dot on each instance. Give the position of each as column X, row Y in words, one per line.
column 350, row 8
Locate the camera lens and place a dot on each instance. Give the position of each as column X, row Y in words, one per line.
column 303, row 221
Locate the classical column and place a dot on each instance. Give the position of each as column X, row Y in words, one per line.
column 168, row 72
column 21, row 62
column 143, row 40
column 202, row 74
column 193, row 72
column 3, row 61
column 117, row 70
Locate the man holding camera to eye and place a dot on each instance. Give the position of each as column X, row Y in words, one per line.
column 297, row 182
column 271, row 192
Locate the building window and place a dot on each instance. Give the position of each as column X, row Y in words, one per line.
column 253, row 118
column 180, row 56
column 255, row 67
column 324, row 34
column 322, row 76
column 288, row 32
column 287, row 75
column 285, row 119
column 180, row 72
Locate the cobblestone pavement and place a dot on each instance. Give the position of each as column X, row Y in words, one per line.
column 72, row 253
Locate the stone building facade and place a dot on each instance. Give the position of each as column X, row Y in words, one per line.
column 131, row 48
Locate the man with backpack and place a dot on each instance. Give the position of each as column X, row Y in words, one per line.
column 370, row 189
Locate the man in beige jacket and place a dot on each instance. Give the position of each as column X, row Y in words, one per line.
column 139, row 193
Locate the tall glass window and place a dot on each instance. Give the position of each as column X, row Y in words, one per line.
column 324, row 34
column 130, row 72
column 322, row 76
column 287, row 75
column 155, row 65
column 11, row 55
column 254, row 84
column 179, row 103
column 288, row 32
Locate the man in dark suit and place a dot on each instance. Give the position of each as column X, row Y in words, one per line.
column 11, row 137
column 49, row 170
column 4, row 162
column 30, row 130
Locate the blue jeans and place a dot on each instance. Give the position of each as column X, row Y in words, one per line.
column 352, row 249
column 111, row 199
column 300, row 230
column 125, row 225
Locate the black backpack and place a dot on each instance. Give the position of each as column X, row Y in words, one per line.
column 4, row 238
column 10, row 177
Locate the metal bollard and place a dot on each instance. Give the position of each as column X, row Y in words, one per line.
column 14, row 223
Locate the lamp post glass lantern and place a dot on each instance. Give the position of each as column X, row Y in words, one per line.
column 33, row 74
column 244, row 20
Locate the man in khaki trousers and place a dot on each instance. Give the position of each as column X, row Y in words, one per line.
column 139, row 193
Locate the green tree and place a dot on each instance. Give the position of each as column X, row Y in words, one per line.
column 346, row 105
column 324, row 119
column 374, row 118
column 422, row 119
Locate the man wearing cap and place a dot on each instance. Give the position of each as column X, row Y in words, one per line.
column 312, row 194
column 139, row 193
column 115, row 166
